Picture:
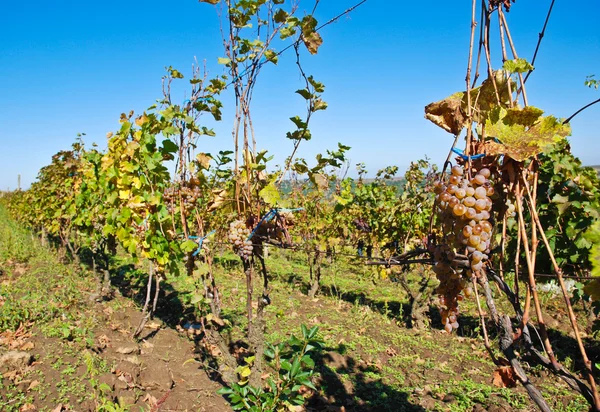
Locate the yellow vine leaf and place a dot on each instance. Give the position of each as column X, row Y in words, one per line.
column 203, row 160
column 522, row 133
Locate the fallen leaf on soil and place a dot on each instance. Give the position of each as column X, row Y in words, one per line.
column 58, row 408
column 27, row 346
column 10, row 375
column 32, row 385
column 134, row 360
column 125, row 377
column 504, row 377
column 391, row 351
column 126, row 350
column 153, row 325
column 27, row 407
column 151, row 401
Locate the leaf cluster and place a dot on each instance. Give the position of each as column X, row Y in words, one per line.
column 293, row 368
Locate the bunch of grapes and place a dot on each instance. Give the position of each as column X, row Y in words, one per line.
column 465, row 210
column 189, row 197
column 140, row 229
column 170, row 195
column 238, row 235
column 511, row 209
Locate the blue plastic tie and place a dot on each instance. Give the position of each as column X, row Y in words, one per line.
column 286, row 210
column 200, row 241
column 462, row 154
column 245, row 71
column 270, row 215
column 206, row 99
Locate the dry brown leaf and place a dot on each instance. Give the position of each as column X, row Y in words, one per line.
column 58, row 408
column 10, row 375
column 447, row 114
column 27, row 407
column 103, row 339
column 151, row 401
column 32, row 385
column 27, row 346
column 504, row 377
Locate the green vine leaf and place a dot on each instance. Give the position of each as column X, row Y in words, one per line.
column 189, row 246
column 269, row 194
column 523, row 133
column 517, row 66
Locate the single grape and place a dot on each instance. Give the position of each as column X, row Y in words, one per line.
column 470, row 213
column 474, row 240
column 486, row 226
column 469, row 201
column 467, row 231
column 479, row 179
column 457, row 170
column 480, row 193
column 485, row 172
column 476, row 256
column 453, row 202
column 459, row 209
column 480, row 204
column 445, row 196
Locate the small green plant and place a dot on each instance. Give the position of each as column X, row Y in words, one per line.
column 110, row 406
column 293, row 367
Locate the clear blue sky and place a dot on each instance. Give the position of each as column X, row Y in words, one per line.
column 73, row 66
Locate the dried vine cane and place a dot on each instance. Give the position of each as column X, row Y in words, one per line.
column 571, row 313
column 532, row 282
column 573, row 382
column 486, row 339
column 506, row 344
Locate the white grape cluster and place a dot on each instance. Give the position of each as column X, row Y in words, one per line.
column 511, row 209
column 465, row 209
column 189, row 197
column 238, row 235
